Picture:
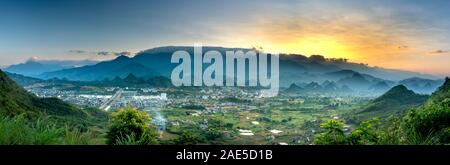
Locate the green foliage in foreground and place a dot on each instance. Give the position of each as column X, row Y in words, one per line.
column 20, row 131
column 428, row 124
column 130, row 126
column 366, row 133
column 333, row 134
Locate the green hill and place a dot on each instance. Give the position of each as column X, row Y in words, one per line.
column 15, row 100
column 430, row 123
column 441, row 94
column 395, row 101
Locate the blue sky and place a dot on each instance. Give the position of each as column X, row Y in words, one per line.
column 403, row 34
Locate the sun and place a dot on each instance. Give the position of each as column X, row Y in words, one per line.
column 328, row 46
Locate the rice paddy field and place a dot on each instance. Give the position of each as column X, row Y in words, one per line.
column 289, row 123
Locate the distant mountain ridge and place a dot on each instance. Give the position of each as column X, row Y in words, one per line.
column 15, row 100
column 422, row 85
column 441, row 94
column 397, row 100
column 294, row 68
column 35, row 67
column 23, row 80
column 431, row 120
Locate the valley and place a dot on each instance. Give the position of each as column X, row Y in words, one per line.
column 239, row 115
column 317, row 97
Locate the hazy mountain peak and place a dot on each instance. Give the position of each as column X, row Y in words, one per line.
column 294, row 87
column 397, row 100
column 398, row 89
column 122, row 57
column 446, row 82
column 442, row 93
column 34, row 66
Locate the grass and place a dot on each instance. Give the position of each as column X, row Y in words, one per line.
column 17, row 131
column 42, row 131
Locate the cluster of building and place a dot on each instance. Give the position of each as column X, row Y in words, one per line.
column 113, row 97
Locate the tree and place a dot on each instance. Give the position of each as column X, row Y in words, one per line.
column 131, row 126
column 333, row 133
column 188, row 138
column 366, row 133
column 213, row 133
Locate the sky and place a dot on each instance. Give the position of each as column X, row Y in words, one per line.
column 401, row 34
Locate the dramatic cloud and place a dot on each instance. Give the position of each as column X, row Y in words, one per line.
column 103, row 53
column 398, row 34
column 106, row 53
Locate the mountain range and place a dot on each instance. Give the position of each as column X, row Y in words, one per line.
column 34, row 67
column 359, row 84
column 397, row 100
column 421, row 85
column 294, row 68
column 14, row 100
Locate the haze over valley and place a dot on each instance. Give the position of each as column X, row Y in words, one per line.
column 346, row 72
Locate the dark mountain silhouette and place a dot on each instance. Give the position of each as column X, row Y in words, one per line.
column 131, row 78
column 34, row 67
column 294, row 68
column 99, row 71
column 397, row 100
column 326, row 82
column 133, row 81
column 313, row 87
column 337, row 75
column 31, row 68
column 294, row 88
column 136, row 69
column 356, row 82
column 329, row 87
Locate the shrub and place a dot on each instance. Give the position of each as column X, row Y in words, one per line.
column 333, row 133
column 366, row 133
column 188, row 138
column 131, row 124
column 429, row 124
